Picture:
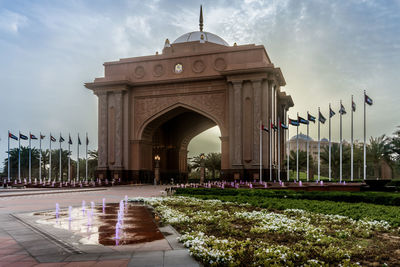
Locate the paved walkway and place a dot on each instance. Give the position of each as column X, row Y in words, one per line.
column 24, row 244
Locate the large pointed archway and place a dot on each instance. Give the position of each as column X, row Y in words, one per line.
column 168, row 135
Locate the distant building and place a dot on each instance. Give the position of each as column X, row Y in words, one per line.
column 303, row 144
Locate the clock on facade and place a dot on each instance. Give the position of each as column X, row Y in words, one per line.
column 178, row 68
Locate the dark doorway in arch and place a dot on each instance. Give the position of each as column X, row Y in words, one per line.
column 169, row 136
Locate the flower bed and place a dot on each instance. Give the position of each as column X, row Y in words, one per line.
column 355, row 211
column 229, row 234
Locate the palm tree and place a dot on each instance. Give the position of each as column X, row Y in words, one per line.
column 24, row 162
column 213, row 163
column 335, row 158
column 302, row 160
column 55, row 163
column 379, row 149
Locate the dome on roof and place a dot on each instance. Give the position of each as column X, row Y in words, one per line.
column 201, row 37
column 301, row 137
column 324, row 140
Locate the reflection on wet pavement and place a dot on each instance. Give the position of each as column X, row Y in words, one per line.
column 98, row 225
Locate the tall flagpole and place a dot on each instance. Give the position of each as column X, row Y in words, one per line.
column 365, row 147
column 351, row 175
column 86, row 174
column 50, row 160
column 279, row 150
column 319, row 146
column 270, row 150
column 9, row 156
column 60, row 178
column 261, row 132
column 308, row 144
column 77, row 161
column 329, row 141
column 69, row 158
column 40, row 156
column 30, row 140
column 297, row 149
column 19, row 157
column 288, row 152
column 341, row 113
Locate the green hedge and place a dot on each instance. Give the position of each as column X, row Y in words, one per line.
column 381, row 198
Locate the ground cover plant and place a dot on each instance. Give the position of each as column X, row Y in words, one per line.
column 223, row 233
column 356, row 211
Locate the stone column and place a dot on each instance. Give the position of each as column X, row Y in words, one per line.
column 257, row 97
column 119, row 129
column 237, row 123
column 103, row 131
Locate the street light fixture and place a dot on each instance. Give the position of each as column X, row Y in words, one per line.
column 202, row 169
column 157, row 169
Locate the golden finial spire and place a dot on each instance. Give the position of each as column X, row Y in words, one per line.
column 201, row 18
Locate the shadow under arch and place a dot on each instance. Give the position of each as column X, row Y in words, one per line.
column 170, row 112
column 167, row 134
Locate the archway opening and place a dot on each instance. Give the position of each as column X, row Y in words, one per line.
column 168, row 137
column 207, row 143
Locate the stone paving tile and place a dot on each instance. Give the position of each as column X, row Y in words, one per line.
column 82, row 257
column 179, row 258
column 115, row 256
column 81, row 264
column 13, row 258
column 112, row 263
column 52, row 258
column 148, row 258
column 21, row 264
column 53, row 264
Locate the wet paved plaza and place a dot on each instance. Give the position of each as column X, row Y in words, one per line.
column 25, row 242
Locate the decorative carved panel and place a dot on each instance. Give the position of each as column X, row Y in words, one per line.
column 212, row 104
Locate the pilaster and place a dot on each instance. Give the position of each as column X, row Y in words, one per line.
column 237, row 144
column 103, row 129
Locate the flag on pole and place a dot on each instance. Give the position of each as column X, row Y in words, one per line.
column 342, row 110
column 283, row 126
column 264, row 128
column 302, row 120
column 10, row 135
column 70, row 140
column 33, row 137
column 353, row 106
column 61, row 139
column 87, row 140
column 52, row 139
column 23, row 137
column 79, row 141
column 331, row 113
column 321, row 118
column 311, row 118
column 274, row 127
column 293, row 122
column 42, row 136
column 368, row 100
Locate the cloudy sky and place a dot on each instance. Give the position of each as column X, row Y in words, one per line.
column 327, row 51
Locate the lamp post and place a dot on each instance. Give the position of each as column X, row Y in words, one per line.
column 157, row 169
column 202, row 171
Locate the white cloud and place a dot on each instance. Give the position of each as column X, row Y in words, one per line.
column 12, row 22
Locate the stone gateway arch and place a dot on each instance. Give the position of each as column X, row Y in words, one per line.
column 154, row 105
